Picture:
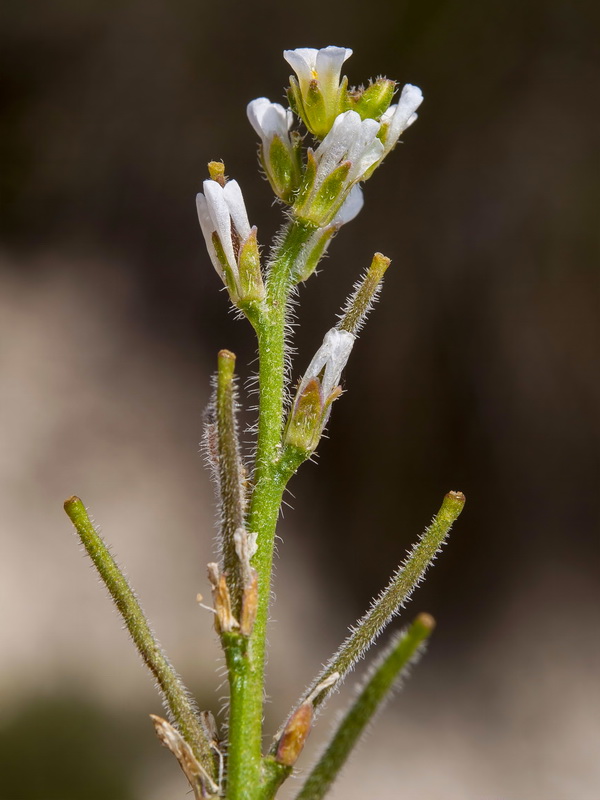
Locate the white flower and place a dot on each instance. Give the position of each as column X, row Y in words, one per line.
column 269, row 120
column 318, row 95
column 323, row 65
column 350, row 139
column 400, row 116
column 221, row 211
column 280, row 153
column 348, row 151
column 318, row 390
column 330, row 359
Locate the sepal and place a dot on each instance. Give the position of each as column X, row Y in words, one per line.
column 373, row 101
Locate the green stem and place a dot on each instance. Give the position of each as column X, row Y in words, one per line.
column 175, row 693
column 244, row 766
column 385, row 672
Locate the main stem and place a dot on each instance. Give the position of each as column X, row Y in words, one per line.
column 244, row 769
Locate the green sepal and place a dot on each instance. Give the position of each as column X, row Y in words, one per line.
column 303, row 429
column 341, row 102
column 294, row 96
column 251, row 282
column 315, row 110
column 308, row 416
column 312, row 253
column 282, row 170
column 373, row 101
column 327, row 201
column 229, row 277
column 308, row 181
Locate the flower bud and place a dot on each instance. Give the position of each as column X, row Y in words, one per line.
column 230, row 241
column 318, row 95
column 317, row 390
column 280, row 151
column 373, row 101
column 344, row 157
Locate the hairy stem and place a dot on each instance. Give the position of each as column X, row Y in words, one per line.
column 176, row 695
column 270, row 478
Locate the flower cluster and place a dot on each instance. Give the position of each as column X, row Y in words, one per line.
column 355, row 130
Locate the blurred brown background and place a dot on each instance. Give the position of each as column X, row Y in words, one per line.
column 477, row 372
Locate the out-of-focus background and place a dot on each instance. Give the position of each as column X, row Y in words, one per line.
column 477, row 372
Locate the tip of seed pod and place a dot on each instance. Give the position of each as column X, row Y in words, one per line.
column 227, row 354
column 457, row 496
column 379, row 265
column 70, row 501
column 426, row 621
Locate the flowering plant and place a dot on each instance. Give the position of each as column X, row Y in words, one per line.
column 354, row 130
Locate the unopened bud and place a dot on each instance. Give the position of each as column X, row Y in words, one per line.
column 373, row 101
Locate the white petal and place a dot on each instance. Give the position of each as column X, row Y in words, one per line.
column 332, row 357
column 269, row 119
column 340, row 345
column 237, row 209
column 352, row 139
column 302, row 61
column 329, row 64
column 256, row 111
column 402, row 115
column 335, row 146
column 366, row 149
column 221, row 218
column 207, row 228
column 324, row 65
column 351, row 207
